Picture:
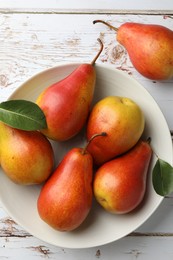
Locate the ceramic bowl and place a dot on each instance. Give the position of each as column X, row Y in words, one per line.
column 100, row 227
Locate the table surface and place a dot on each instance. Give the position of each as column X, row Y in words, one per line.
column 37, row 35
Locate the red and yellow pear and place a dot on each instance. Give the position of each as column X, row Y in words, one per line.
column 66, row 104
column 150, row 48
column 123, row 121
column 120, row 184
column 65, row 199
column 26, row 157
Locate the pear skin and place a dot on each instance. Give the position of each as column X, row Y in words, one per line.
column 66, row 198
column 66, row 104
column 122, row 120
column 120, row 184
column 149, row 46
column 26, row 157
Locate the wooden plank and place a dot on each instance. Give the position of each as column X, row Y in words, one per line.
column 87, row 6
column 33, row 42
column 29, row 45
column 128, row 248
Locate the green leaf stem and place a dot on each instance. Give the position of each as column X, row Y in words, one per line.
column 162, row 178
column 22, row 114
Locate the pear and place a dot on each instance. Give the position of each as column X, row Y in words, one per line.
column 26, row 157
column 123, row 121
column 150, row 48
column 120, row 184
column 65, row 199
column 66, row 104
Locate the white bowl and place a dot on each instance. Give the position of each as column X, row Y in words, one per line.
column 100, row 227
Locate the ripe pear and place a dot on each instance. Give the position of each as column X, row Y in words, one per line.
column 66, row 104
column 123, row 121
column 26, row 157
column 150, row 48
column 120, row 184
column 65, row 199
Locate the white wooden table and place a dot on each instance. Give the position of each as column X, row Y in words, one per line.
column 40, row 34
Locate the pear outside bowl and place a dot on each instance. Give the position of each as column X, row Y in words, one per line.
column 100, row 227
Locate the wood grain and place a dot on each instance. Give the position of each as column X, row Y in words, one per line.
column 96, row 6
column 29, row 45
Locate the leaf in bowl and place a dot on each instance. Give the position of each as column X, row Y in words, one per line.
column 22, row 114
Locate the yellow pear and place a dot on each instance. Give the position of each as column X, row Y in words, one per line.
column 26, row 157
column 123, row 121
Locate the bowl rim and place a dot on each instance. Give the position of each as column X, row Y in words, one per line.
column 102, row 66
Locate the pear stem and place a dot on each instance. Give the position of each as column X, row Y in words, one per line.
column 98, row 54
column 109, row 25
column 171, row 131
column 93, row 137
column 148, row 140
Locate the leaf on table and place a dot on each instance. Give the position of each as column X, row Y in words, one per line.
column 162, row 178
column 22, row 114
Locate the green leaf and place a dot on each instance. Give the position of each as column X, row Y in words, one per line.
column 162, row 178
column 22, row 114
